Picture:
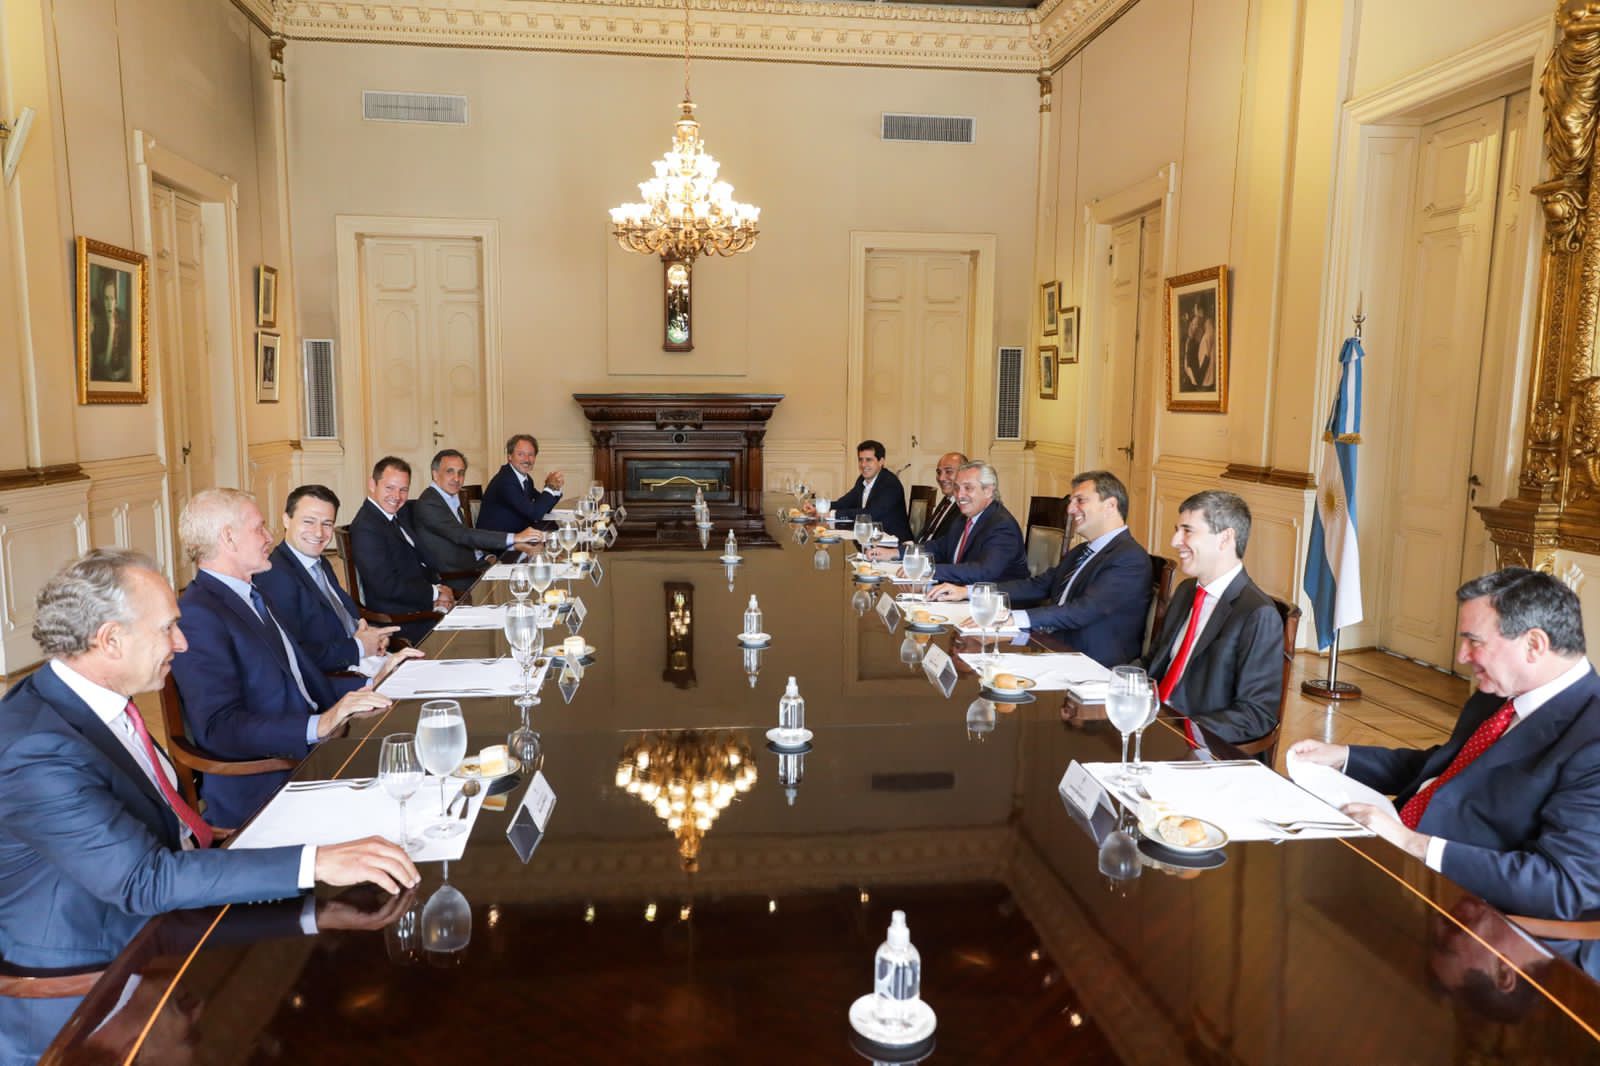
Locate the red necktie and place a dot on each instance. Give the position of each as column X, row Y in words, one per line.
column 1180, row 662
column 966, row 531
column 186, row 814
column 1478, row 743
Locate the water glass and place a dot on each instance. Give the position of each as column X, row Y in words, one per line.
column 400, row 773
column 441, row 745
column 984, row 601
column 542, row 573
column 597, row 492
column 1138, row 766
column 526, row 639
column 1127, row 705
column 521, row 581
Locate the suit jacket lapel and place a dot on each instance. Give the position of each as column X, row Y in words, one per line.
column 1540, row 728
column 1177, row 617
column 1219, row 616
column 1065, row 571
column 246, row 614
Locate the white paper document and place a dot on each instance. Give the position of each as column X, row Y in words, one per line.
column 440, row 678
column 335, row 814
column 1334, row 787
column 1248, row 801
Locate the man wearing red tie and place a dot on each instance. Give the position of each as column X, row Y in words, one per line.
column 1218, row 659
column 1509, row 807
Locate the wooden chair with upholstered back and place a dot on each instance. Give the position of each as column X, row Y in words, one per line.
column 471, row 497
column 1163, row 581
column 1048, row 531
column 1267, row 746
column 920, row 507
column 187, row 759
column 352, row 584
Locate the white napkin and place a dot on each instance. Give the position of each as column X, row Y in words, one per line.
column 488, row 616
column 1058, row 672
column 334, row 815
column 561, row 572
column 1233, row 796
column 445, row 678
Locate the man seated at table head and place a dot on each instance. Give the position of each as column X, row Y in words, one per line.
column 1508, row 807
column 513, row 500
column 306, row 597
column 443, row 536
column 984, row 543
column 249, row 691
column 876, row 493
column 91, row 820
column 1218, row 658
column 395, row 578
column 1097, row 597
column 945, row 510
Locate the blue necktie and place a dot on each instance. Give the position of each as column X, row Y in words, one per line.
column 271, row 623
column 320, row 576
column 1083, row 560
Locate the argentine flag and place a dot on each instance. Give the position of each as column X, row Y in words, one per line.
column 1333, row 562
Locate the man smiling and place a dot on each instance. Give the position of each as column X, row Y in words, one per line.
column 443, row 537
column 395, row 579
column 513, row 500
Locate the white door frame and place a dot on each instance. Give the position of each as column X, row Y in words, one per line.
column 979, row 422
column 352, row 355
column 1099, row 218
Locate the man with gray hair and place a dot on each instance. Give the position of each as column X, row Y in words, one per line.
column 91, row 820
column 1509, row 807
column 986, row 544
column 249, row 690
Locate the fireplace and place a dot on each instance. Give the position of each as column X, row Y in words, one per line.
column 653, row 450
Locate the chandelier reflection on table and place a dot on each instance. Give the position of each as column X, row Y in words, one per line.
column 688, row 777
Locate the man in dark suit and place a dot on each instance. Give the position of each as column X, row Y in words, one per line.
column 1509, row 807
column 110, row 333
column 395, row 579
column 1218, row 658
column 445, row 540
column 92, row 825
column 511, row 500
column 877, row 492
column 945, row 510
column 249, row 691
column 305, row 596
column 1099, row 594
column 985, row 545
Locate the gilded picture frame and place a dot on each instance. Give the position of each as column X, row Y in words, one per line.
column 1197, row 341
column 266, row 297
column 1049, row 372
column 269, row 366
column 1069, row 336
column 1050, row 307
column 113, row 310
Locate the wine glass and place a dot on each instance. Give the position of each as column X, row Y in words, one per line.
column 984, row 600
column 917, row 566
column 542, row 573
column 597, row 492
column 521, row 581
column 400, row 773
column 441, row 745
column 569, row 539
column 446, row 920
column 526, row 640
column 1138, row 766
column 863, row 534
column 1127, row 703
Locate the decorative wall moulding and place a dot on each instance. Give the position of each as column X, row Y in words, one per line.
column 952, row 37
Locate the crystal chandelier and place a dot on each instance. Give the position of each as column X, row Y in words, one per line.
column 687, row 212
column 688, row 778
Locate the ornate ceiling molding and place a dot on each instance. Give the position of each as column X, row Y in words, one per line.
column 827, row 32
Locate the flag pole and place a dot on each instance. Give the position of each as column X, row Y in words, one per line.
column 1331, row 688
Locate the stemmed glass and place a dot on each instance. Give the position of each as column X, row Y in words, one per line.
column 1127, row 703
column 597, row 492
column 569, row 539
column 917, row 566
column 541, row 573
column 527, row 641
column 446, row 919
column 441, row 745
column 984, row 600
column 863, row 534
column 521, row 582
column 1138, row 766
column 400, row 772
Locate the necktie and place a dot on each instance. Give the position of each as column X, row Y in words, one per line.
column 1083, row 560
column 866, row 487
column 186, row 814
column 1478, row 743
column 528, row 489
column 320, row 576
column 271, row 623
column 1180, row 662
column 934, row 520
column 962, row 546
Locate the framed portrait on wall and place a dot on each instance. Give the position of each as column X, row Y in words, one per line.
column 1047, row 372
column 1197, row 341
column 266, row 297
column 1050, row 297
column 1069, row 335
column 113, row 304
column 269, row 368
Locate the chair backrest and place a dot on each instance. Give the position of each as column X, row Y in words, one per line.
column 1163, row 580
column 1047, row 511
column 471, row 496
column 352, row 576
column 172, row 717
column 920, row 507
column 1267, row 746
column 1045, row 545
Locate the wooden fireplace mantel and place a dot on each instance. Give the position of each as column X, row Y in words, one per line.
column 721, row 431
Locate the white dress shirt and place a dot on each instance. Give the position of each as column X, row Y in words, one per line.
column 409, row 541
column 866, row 489
column 1096, row 546
column 522, row 479
column 454, row 503
column 1213, row 593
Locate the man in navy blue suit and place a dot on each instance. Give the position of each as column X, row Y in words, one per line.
column 92, row 825
column 395, row 578
column 985, row 545
column 1509, row 807
column 1097, row 597
column 513, row 500
column 305, row 596
column 877, row 493
column 249, row 691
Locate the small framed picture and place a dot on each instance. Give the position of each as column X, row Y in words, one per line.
column 1197, row 341
column 268, row 367
column 1050, row 294
column 113, row 304
column 1047, row 371
column 1069, row 335
column 266, row 297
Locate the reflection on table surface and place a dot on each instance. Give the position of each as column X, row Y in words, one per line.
column 743, row 930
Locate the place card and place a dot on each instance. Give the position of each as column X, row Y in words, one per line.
column 576, row 616
column 1087, row 803
column 889, row 611
column 526, row 830
column 596, row 572
column 940, row 669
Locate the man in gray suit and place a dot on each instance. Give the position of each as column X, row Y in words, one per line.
column 443, row 537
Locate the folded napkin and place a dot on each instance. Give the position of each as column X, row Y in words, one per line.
column 334, row 815
column 447, row 678
column 562, row 572
column 1334, row 787
column 488, row 616
column 1066, row 671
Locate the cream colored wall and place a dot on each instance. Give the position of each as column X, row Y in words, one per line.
column 1396, row 39
column 556, row 140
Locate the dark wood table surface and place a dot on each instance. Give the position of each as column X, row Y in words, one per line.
column 603, row 948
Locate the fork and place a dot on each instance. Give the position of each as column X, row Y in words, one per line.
column 354, row 784
column 1295, row 828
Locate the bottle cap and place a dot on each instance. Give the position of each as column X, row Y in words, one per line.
column 793, row 688
column 752, row 600
column 899, row 935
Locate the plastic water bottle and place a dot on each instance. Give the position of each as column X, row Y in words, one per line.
column 792, row 710
column 897, row 975
column 752, row 618
column 731, row 548
column 791, row 771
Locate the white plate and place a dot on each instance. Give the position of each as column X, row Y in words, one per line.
column 754, row 638
column 864, row 1020
column 469, row 771
column 782, row 739
column 557, row 655
column 731, row 558
column 1215, row 837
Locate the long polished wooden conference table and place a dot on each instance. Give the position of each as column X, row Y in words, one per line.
column 603, row 946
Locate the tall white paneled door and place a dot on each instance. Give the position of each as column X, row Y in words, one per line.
column 180, row 346
column 1132, row 339
column 423, row 355
column 1458, row 311
column 918, row 333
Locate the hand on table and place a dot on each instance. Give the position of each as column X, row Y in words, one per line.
column 530, row 536
column 392, row 663
column 374, row 640
column 1389, row 828
column 947, row 591
column 1315, row 751
column 358, row 704
column 371, row 859
column 879, row 553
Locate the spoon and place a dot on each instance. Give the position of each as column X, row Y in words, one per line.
column 468, row 790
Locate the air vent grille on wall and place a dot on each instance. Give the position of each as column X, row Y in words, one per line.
column 322, row 421
column 938, row 129
column 1008, row 395
column 413, row 107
